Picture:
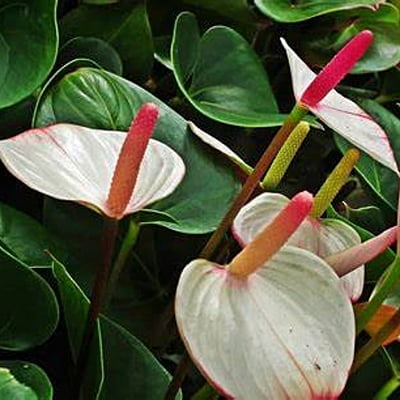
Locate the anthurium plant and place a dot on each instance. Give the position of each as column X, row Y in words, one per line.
column 199, row 200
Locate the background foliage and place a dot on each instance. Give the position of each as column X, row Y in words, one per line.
column 219, row 64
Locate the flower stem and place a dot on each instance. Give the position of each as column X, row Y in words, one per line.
column 392, row 276
column 110, row 229
column 376, row 341
column 388, row 388
column 254, row 178
column 126, row 247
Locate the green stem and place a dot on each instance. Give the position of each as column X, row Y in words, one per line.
column 126, row 248
column 253, row 180
column 391, row 278
column 295, row 116
column 110, row 229
column 387, row 389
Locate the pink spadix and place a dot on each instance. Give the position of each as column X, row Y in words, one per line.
column 340, row 65
column 130, row 158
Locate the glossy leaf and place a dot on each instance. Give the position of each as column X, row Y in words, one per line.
column 273, row 320
column 94, row 49
column 11, row 389
column 301, row 10
column 25, row 64
column 31, row 376
column 131, row 371
column 26, row 238
column 109, row 103
column 322, row 237
column 125, row 26
column 24, row 293
column 342, row 115
column 75, row 306
column 385, row 50
column 238, row 10
column 221, row 75
column 381, row 180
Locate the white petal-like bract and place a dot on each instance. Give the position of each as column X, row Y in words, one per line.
column 322, row 237
column 71, row 162
column 284, row 332
column 342, row 115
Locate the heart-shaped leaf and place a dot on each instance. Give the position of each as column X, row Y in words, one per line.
column 124, row 25
column 131, row 371
column 31, row 376
column 24, row 293
column 301, row 10
column 94, row 49
column 11, row 389
column 221, row 75
column 28, row 45
column 110, row 103
column 26, row 238
column 237, row 10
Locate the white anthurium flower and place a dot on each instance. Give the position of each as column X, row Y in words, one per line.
column 274, row 323
column 71, row 162
column 322, row 237
column 341, row 114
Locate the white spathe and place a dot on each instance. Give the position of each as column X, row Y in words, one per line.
column 285, row 332
column 322, row 237
column 71, row 162
column 342, row 115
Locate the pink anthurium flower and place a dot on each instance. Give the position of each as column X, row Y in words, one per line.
column 272, row 324
column 115, row 173
column 315, row 92
column 325, row 237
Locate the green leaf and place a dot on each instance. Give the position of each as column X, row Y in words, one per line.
column 125, row 26
column 109, row 102
column 100, row 2
column 131, row 371
column 26, row 238
column 75, row 307
column 238, row 10
column 384, row 52
column 32, row 376
column 366, row 381
column 29, row 312
column 94, row 49
column 11, row 389
column 301, row 10
column 221, row 75
column 382, row 181
column 28, row 47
